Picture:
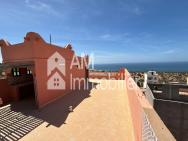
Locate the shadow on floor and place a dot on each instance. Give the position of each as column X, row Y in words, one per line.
column 14, row 125
column 20, row 118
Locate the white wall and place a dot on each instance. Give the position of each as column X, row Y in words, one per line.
column 0, row 56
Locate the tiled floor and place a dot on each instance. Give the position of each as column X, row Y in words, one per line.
column 14, row 124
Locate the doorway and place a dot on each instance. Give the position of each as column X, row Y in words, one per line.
column 27, row 92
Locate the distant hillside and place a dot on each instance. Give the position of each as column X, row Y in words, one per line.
column 166, row 77
column 173, row 77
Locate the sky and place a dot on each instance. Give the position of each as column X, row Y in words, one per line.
column 112, row 31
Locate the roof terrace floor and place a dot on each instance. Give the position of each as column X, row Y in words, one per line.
column 101, row 113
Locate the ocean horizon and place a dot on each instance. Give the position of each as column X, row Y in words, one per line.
column 144, row 67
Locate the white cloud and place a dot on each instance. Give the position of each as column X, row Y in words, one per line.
column 171, row 51
column 105, row 36
column 41, row 6
column 131, row 7
column 102, row 57
column 114, row 37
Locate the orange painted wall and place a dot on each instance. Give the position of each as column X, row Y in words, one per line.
column 4, row 90
column 35, row 49
column 133, row 91
column 7, row 92
column 102, row 75
column 107, row 75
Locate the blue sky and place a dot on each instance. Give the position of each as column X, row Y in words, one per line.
column 115, row 31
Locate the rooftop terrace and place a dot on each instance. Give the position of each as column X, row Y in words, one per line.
column 101, row 113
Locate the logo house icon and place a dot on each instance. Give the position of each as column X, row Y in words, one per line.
column 55, row 66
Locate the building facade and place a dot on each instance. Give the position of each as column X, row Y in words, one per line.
column 152, row 77
column 46, row 71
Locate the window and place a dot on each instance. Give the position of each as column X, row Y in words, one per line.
column 150, row 78
column 21, row 71
column 29, row 71
column 15, row 72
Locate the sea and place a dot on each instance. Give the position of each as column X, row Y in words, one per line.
column 144, row 67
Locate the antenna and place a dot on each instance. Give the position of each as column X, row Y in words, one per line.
column 50, row 39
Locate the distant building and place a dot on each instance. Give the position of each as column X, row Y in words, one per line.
column 152, row 77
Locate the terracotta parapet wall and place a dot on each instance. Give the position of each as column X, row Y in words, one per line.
column 133, row 91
